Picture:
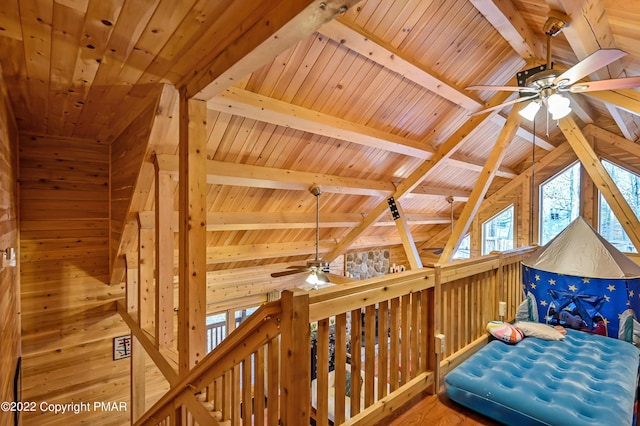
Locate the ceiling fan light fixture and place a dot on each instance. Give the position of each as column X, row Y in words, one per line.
column 313, row 279
column 558, row 106
column 529, row 112
column 317, row 280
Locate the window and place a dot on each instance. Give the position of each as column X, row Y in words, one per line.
column 464, row 251
column 497, row 233
column 217, row 325
column 609, row 227
column 559, row 202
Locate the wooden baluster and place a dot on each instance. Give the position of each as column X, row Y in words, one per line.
column 227, row 395
column 383, row 348
column 273, row 381
column 369, row 353
column 258, row 388
column 340, row 374
column 394, row 345
column 437, row 327
column 405, row 339
column 246, row 390
column 322, row 367
column 415, row 334
column 356, row 360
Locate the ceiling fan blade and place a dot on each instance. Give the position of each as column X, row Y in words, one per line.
column 434, row 250
column 515, row 101
column 611, row 84
column 595, row 61
column 339, row 279
column 289, row 272
column 503, row 88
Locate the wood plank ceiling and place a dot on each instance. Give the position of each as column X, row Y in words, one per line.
column 356, row 105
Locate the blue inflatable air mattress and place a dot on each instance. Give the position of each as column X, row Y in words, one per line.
column 585, row 379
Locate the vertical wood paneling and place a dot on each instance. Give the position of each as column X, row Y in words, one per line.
column 127, row 154
column 69, row 310
column 9, row 277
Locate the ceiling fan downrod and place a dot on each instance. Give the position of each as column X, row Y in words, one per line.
column 552, row 27
column 316, row 190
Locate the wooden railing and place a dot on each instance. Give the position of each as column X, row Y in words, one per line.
column 236, row 371
column 470, row 292
column 382, row 325
column 384, row 333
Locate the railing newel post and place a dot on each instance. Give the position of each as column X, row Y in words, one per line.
column 295, row 360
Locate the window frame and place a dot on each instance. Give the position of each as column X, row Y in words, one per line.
column 541, row 214
column 511, row 207
column 600, row 205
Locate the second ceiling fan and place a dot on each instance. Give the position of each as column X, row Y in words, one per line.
column 317, row 269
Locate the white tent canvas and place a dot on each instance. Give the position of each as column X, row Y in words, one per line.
column 579, row 250
column 580, row 280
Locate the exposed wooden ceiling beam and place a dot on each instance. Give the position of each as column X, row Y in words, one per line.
column 608, row 188
column 224, row 173
column 468, row 163
column 612, row 139
column 243, row 221
column 628, row 100
column 249, row 43
column 444, row 151
column 605, row 139
column 526, row 134
column 263, row 108
column 509, row 22
column 589, row 31
column 582, row 109
column 506, row 19
column 408, row 242
column 375, row 49
column 482, row 185
column 440, row 193
column 525, row 177
column 241, row 253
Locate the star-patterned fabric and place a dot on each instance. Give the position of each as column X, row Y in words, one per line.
column 600, row 302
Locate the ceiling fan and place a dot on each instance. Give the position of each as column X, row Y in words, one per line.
column 544, row 85
column 317, row 269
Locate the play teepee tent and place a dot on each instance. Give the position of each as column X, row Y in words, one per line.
column 580, row 280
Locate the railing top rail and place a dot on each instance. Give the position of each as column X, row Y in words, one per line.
column 266, row 312
column 338, row 299
column 463, row 268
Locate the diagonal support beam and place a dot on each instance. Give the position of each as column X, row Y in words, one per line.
column 482, row 185
column 405, row 234
column 628, row 100
column 591, row 163
column 252, row 44
column 589, row 31
column 443, row 152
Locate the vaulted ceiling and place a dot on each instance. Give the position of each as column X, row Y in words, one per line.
column 366, row 105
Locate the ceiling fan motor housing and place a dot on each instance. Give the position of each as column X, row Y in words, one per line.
column 318, row 265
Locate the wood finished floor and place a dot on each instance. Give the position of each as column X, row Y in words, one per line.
column 435, row 410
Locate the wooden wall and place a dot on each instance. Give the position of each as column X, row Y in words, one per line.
column 68, row 311
column 127, row 154
column 9, row 276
